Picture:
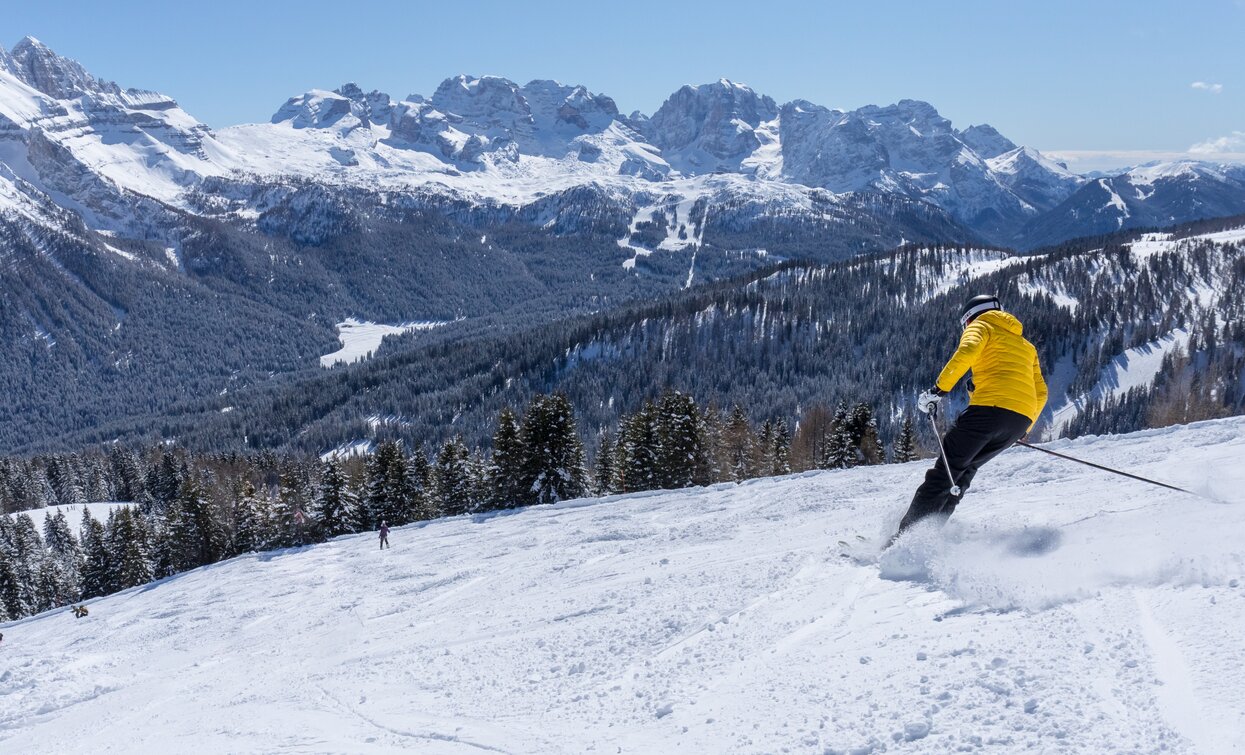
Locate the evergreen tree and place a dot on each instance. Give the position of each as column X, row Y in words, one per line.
column 680, row 448
column 864, row 435
column 553, row 456
column 95, row 568
column 289, row 524
column 763, row 458
column 637, row 450
column 250, row 521
column 28, row 556
column 904, row 447
column 451, row 478
column 738, row 442
column 781, row 455
column 418, row 500
column 195, row 535
column 334, row 502
column 480, row 481
column 507, row 465
column 388, row 487
column 605, row 474
column 10, row 591
column 127, row 476
column 128, row 549
column 840, row 448
column 64, row 557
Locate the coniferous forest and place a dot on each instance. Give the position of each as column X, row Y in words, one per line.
column 182, row 510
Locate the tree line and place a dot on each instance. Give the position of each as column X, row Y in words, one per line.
column 187, row 510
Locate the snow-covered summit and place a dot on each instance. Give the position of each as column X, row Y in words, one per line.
column 1061, row 608
column 712, row 127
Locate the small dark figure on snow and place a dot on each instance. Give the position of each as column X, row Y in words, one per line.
column 1006, row 395
column 80, row 612
column 384, row 535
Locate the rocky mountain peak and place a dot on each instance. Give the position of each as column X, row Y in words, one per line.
column 38, row 66
column 710, row 127
column 986, row 141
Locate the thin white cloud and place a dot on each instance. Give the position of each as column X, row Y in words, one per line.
column 1207, row 87
column 1087, row 160
column 1233, row 142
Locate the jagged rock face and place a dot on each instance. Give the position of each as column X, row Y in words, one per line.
column 702, row 129
column 488, row 106
column 823, row 147
column 986, row 141
column 53, row 75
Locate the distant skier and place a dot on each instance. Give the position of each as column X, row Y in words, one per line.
column 384, row 535
column 1007, row 393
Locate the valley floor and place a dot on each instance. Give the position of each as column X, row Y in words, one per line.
column 1062, row 610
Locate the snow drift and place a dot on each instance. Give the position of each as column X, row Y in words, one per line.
column 1062, row 609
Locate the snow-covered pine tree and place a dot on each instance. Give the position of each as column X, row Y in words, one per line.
column 840, row 448
column 637, row 450
column 507, row 463
column 605, row 473
column 781, row 456
column 195, row 535
column 714, row 467
column 418, row 489
column 64, row 476
column 28, row 556
column 738, row 441
column 65, row 554
column 763, row 453
column 388, row 487
column 479, row 480
column 129, row 549
column 451, row 478
column 289, row 523
column 334, row 501
column 126, row 473
column 553, row 455
column 904, row 448
column 864, row 435
column 95, row 566
column 10, row 590
column 250, row 521
column 679, row 445
column 165, row 482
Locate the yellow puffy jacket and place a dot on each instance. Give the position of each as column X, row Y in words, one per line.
column 1005, row 366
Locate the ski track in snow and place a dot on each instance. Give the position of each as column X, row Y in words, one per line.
column 1061, row 610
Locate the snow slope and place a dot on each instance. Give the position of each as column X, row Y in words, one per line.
column 361, row 339
column 1062, row 610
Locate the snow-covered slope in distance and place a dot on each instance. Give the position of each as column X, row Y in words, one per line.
column 1062, row 609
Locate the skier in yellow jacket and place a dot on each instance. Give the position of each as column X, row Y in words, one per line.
column 1007, row 393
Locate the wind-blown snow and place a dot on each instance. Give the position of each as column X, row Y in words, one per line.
column 1062, row 609
column 361, row 339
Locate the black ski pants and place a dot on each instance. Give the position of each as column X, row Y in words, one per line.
column 977, row 436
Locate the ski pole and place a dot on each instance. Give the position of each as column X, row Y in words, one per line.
column 933, row 420
column 1026, row 444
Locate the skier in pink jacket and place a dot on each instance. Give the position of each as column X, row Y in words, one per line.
column 384, row 535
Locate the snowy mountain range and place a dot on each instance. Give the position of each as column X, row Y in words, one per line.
column 90, row 146
column 149, row 258
column 1062, row 608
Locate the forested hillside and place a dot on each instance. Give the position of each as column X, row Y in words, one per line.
column 874, row 330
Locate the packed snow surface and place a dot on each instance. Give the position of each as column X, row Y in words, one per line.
column 361, row 339
column 1062, row 609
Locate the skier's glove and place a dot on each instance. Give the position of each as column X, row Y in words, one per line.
column 929, row 399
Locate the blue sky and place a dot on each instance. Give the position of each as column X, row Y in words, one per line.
column 1082, row 79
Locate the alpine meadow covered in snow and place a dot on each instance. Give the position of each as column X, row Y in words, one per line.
column 507, row 417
